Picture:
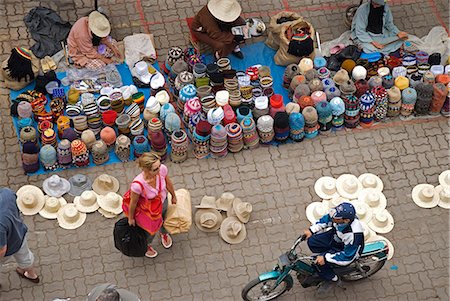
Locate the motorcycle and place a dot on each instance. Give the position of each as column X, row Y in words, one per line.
column 273, row 284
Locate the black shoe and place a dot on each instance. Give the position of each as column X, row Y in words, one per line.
column 238, row 54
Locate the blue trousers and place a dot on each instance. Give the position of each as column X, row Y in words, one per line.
column 324, row 243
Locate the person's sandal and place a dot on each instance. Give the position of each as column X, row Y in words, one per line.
column 151, row 253
column 166, row 240
column 44, row 65
column 51, row 63
column 24, row 276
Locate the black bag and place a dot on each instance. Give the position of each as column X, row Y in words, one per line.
column 129, row 240
column 301, row 46
column 349, row 52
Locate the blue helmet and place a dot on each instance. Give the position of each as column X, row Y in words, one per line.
column 344, row 210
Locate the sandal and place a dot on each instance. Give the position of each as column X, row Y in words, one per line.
column 51, row 63
column 24, row 275
column 44, row 65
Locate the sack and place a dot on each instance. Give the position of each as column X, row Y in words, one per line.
column 179, row 217
column 129, row 240
column 276, row 23
column 283, row 57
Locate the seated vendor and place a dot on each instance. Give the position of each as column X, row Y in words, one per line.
column 90, row 45
column 373, row 28
column 20, row 69
column 212, row 25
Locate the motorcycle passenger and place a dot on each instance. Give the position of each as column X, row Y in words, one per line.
column 341, row 245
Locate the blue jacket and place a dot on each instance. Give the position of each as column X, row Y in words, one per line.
column 352, row 236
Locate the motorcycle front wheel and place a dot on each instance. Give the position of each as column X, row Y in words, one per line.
column 261, row 290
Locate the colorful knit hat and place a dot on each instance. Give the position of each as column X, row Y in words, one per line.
column 296, row 126
column 108, row 135
column 337, row 106
column 30, row 157
column 440, row 92
column 64, row 153
column 409, row 97
column 381, row 102
column 48, row 157
column 324, row 113
column 332, row 92
column 424, row 98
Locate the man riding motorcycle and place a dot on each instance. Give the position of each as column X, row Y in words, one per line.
column 339, row 246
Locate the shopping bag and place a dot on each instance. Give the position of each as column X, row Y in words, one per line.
column 130, row 240
column 179, row 216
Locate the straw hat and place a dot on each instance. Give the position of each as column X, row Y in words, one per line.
column 105, row 183
column 374, row 198
column 70, row 218
column 208, row 220
column 225, row 10
column 382, row 222
column 111, row 202
column 444, row 196
column 325, row 188
column 369, row 180
column 30, row 199
column 425, row 196
column 241, row 210
column 87, row 202
column 363, row 211
column 444, row 178
column 387, row 241
column 368, row 233
column 315, row 211
column 348, row 186
column 225, row 202
column 51, row 207
column 207, row 202
column 232, row 230
column 106, row 214
column 78, row 184
column 333, row 203
column 56, row 186
column 99, row 24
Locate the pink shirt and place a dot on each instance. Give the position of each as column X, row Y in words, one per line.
column 151, row 192
column 80, row 45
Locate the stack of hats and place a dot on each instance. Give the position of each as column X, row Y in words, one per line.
column 172, row 123
column 108, row 135
column 177, row 68
column 117, row 102
column 57, row 107
column 64, row 153
column 80, row 153
column 424, row 98
column 123, row 124
column 30, row 157
column 192, row 112
column 88, row 137
column 337, row 110
column 48, row 157
column 123, row 148
column 261, row 107
column 21, row 123
column 281, row 126
column 351, row 116
column 208, row 102
column 158, row 144
column 92, row 112
column 104, row 103
column 409, row 97
column 200, row 137
column 218, row 143
column 80, row 123
column 183, row 79
column 324, row 114
column 134, row 112
column 289, row 73
column 440, row 92
column 429, row 196
column 381, row 102
column 199, row 70
column 296, row 126
column 140, row 145
column 215, row 116
column 154, row 125
column 367, row 108
column 243, row 112
column 174, row 54
column 394, row 101
column 139, row 99
column 276, row 104
column 100, row 153
column 235, row 137
column 265, row 129
column 251, row 138
column 137, row 127
column 69, row 134
column 28, row 134
column 179, row 142
column 73, row 110
column 165, row 110
column 228, row 115
column 62, row 123
column 311, row 122
column 24, row 110
column 49, row 137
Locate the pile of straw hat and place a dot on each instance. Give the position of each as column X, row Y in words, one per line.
column 227, row 214
column 365, row 193
column 428, row 196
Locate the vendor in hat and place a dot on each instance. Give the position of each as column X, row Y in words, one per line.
column 90, row 45
column 212, row 25
column 373, row 28
column 19, row 69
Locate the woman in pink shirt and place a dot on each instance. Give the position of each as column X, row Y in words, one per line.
column 90, row 45
column 148, row 200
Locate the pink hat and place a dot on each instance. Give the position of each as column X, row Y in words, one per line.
column 108, row 135
column 318, row 96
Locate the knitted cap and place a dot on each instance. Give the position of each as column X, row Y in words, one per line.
column 402, row 82
column 108, row 135
column 375, row 81
column 394, row 94
column 310, row 115
column 348, row 65
column 337, row 106
column 409, row 96
column 292, row 107
column 332, row 92
column 316, row 85
column 341, row 77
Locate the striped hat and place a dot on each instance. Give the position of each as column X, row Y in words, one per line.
column 24, row 52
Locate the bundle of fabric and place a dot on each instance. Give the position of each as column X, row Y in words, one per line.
column 219, row 142
column 180, row 144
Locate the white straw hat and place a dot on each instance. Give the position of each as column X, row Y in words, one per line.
column 333, row 203
column 232, row 230
column 225, row 10
column 207, row 202
column 225, row 202
column 99, row 24
column 56, row 186
column 87, row 202
column 363, row 211
column 105, row 183
column 70, row 218
column 368, row 233
column 111, row 202
column 325, row 188
column 369, row 180
column 51, row 207
column 387, row 241
column 444, row 196
column 30, row 199
column 374, row 198
column 382, row 222
column 348, row 186
column 444, row 178
column 208, row 220
column 241, row 210
column 106, row 214
column 315, row 211
column 424, row 196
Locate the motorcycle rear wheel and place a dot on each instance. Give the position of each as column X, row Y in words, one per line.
column 370, row 269
column 252, row 286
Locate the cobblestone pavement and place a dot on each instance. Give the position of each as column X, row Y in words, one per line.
column 278, row 181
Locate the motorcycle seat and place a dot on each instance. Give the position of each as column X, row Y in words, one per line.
column 373, row 247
